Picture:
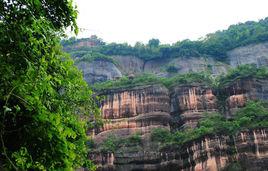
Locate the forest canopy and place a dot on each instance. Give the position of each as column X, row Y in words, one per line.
column 214, row 45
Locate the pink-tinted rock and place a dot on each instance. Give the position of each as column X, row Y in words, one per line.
column 191, row 102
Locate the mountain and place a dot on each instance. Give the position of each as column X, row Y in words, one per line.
column 192, row 105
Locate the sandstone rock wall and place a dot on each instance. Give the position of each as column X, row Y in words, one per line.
column 191, row 102
column 135, row 110
column 143, row 108
column 215, row 153
column 185, row 65
column 242, row 90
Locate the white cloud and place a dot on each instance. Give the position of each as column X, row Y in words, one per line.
column 168, row 20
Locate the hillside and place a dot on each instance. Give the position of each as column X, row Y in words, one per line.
column 193, row 105
column 243, row 43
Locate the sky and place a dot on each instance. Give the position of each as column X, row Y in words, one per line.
column 130, row 21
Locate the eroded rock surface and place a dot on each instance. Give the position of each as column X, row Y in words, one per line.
column 241, row 90
column 140, row 109
column 129, row 64
column 214, row 153
column 191, row 102
column 185, row 65
column 250, row 54
column 96, row 71
column 134, row 110
column 99, row 71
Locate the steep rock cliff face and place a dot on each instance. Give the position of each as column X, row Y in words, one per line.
column 185, row 65
column 242, row 90
column 250, row 54
column 249, row 149
column 102, row 70
column 96, row 72
column 99, row 71
column 129, row 64
column 143, row 108
column 191, row 102
column 134, row 110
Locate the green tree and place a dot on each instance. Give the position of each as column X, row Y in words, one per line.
column 45, row 104
column 153, row 43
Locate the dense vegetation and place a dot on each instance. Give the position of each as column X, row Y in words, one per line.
column 205, row 78
column 43, row 98
column 215, row 45
column 113, row 143
column 150, row 79
column 243, row 71
column 253, row 115
column 90, row 57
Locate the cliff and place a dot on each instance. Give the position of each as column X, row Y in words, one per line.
column 190, row 102
column 246, row 151
column 141, row 109
column 134, row 110
column 131, row 114
column 126, row 65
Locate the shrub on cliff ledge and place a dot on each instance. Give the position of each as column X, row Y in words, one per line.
column 244, row 71
column 253, row 115
column 113, row 143
column 150, row 79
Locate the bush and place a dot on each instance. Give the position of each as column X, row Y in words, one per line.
column 113, row 143
column 243, row 71
column 150, row 79
column 215, row 44
column 253, row 115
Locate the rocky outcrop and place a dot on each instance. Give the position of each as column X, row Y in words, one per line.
column 241, row 90
column 191, row 102
column 99, row 71
column 249, row 150
column 140, row 109
column 126, row 65
column 129, row 64
column 134, row 110
column 250, row 54
column 185, row 65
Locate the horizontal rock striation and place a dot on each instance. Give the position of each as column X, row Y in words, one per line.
column 249, row 149
column 241, row 90
column 134, row 110
column 140, row 109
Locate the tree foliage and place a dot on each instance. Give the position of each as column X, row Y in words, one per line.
column 150, row 79
column 215, row 44
column 204, row 78
column 253, row 115
column 243, row 71
column 43, row 98
column 113, row 143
